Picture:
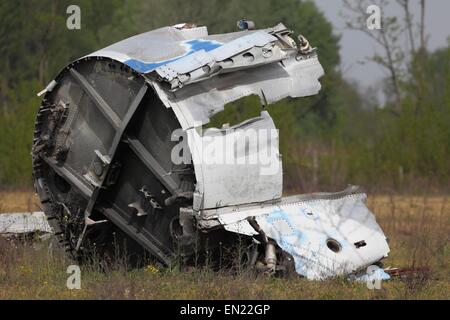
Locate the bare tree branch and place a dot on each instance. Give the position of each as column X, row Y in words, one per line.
column 387, row 38
column 422, row 25
column 409, row 26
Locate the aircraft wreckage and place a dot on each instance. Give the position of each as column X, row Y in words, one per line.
column 113, row 126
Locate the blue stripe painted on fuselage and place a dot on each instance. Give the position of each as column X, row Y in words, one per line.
column 193, row 45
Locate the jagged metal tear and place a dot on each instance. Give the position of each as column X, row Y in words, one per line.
column 196, row 74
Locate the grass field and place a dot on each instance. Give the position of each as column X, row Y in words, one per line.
column 417, row 227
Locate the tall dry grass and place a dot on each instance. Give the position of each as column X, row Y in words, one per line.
column 417, row 227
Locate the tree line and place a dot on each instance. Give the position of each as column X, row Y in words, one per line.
column 340, row 136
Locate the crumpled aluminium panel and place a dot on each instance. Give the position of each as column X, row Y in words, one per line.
column 304, row 229
column 326, row 237
column 194, row 107
column 170, row 52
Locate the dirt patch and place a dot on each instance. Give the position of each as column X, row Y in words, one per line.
column 19, row 201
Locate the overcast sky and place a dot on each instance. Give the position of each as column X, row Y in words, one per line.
column 355, row 46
